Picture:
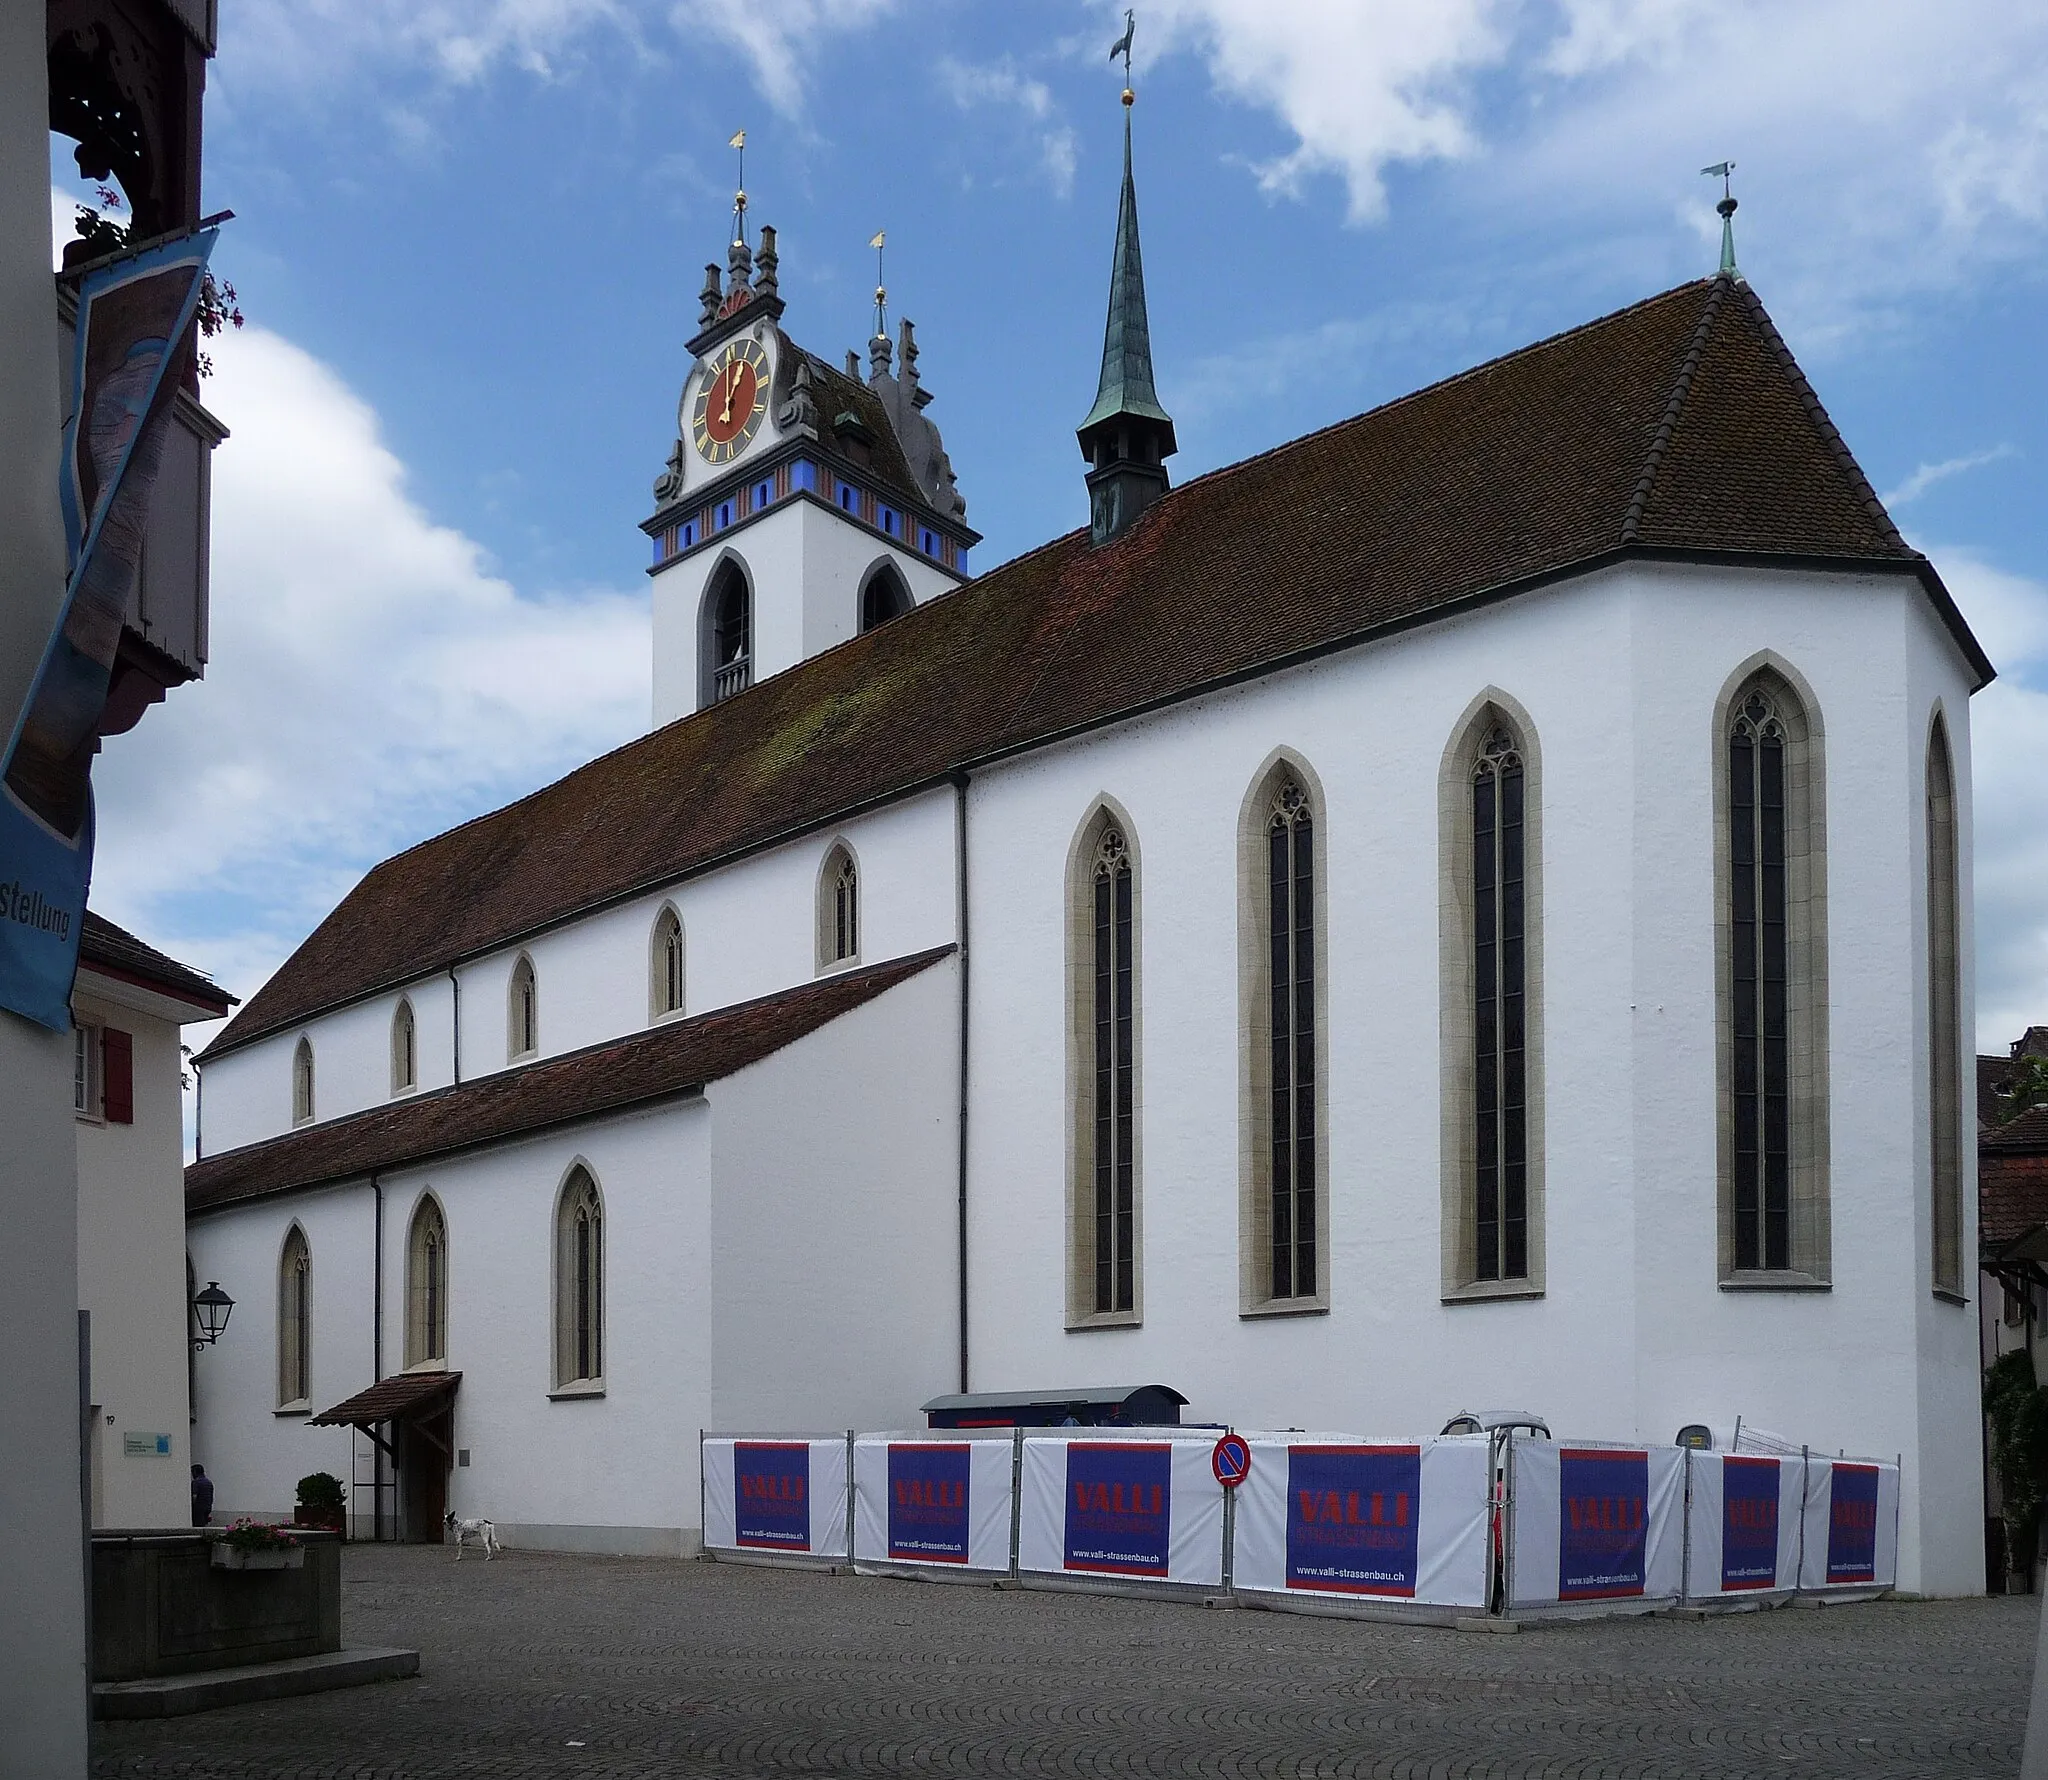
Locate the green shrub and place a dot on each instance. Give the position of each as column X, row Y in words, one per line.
column 322, row 1489
column 2017, row 1409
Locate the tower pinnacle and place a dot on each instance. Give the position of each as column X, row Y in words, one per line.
column 1127, row 434
column 1721, row 170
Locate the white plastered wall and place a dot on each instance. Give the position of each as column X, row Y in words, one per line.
column 834, row 1219
column 806, row 563
column 1619, row 674
column 131, row 1275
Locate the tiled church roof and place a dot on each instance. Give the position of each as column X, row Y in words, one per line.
column 669, row 1059
column 1679, row 426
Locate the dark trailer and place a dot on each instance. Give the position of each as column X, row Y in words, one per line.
column 1096, row 1406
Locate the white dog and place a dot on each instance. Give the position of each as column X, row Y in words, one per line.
column 482, row 1531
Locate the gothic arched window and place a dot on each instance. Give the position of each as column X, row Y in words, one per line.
column 426, row 1286
column 728, row 651
column 1281, row 879
column 405, row 1058
column 1944, row 1017
column 838, row 909
column 579, row 1281
column 294, row 1321
column 1103, row 1192
column 302, row 1082
column 1773, row 985
column 882, row 598
column 1490, row 950
column 522, row 1012
column 665, row 965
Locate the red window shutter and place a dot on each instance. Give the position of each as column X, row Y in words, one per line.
column 117, row 1076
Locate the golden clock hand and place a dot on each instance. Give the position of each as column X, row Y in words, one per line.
column 730, row 376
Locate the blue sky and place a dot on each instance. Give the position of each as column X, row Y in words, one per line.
column 469, row 235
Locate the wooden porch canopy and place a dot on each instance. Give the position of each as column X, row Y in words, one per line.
column 403, row 1397
column 414, row 1397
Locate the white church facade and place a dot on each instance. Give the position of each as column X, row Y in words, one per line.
column 1467, row 908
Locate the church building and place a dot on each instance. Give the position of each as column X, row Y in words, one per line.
column 1467, row 908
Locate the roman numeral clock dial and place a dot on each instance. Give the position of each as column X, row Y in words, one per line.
column 730, row 401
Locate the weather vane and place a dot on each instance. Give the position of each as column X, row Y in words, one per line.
column 881, row 294
column 739, row 196
column 1122, row 47
column 1721, row 170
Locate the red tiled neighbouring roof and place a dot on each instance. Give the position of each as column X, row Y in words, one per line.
column 2026, row 1135
column 2012, row 1198
column 1678, row 427
column 118, row 953
column 667, row 1060
column 402, row 1394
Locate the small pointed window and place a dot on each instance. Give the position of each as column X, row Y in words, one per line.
column 579, row 1282
column 426, row 1286
column 883, row 598
column 302, row 1083
column 522, row 1013
column 295, row 1321
column 838, row 909
column 665, row 966
column 1499, row 1000
column 405, row 1059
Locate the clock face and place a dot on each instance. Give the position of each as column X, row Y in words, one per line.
column 731, row 399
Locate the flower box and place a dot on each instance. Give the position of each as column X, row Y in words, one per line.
column 229, row 1557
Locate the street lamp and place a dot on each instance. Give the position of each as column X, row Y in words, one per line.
column 210, row 1312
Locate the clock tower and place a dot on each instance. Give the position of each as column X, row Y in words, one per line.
column 802, row 504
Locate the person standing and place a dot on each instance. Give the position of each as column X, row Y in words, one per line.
column 202, row 1496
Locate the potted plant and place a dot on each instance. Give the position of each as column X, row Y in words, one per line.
column 322, row 1504
column 255, row 1545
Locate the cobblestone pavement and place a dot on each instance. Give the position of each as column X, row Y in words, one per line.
column 562, row 1666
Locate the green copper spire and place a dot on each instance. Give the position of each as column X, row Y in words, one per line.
column 1126, row 388
column 1127, row 436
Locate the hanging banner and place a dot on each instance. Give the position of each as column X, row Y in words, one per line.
column 1742, row 1531
column 786, row 1496
column 1596, row 1526
column 1378, row 1522
column 932, row 1503
column 133, row 333
column 1134, row 1510
column 1852, row 1525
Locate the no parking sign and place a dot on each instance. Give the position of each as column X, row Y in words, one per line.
column 1231, row 1460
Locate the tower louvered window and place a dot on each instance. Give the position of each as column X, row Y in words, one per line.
column 1499, row 1011
column 1291, row 1034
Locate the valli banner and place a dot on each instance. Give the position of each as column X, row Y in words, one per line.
column 1353, row 1519
column 134, row 325
column 1119, row 1508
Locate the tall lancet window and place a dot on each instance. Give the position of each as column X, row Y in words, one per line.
column 1499, row 1010
column 1774, row 1140
column 295, row 1321
column 838, row 909
column 1282, row 971
column 302, row 1082
column 426, row 1286
column 1944, row 1017
column 728, row 642
column 522, row 1012
column 665, row 965
column 579, row 1282
column 405, row 1059
column 1103, row 1219
column 1490, row 952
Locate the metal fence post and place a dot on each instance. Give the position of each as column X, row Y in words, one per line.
column 1016, row 1496
column 703, row 1543
column 849, row 1498
column 1805, row 1484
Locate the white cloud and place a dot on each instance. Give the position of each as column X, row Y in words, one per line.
column 1884, row 146
column 371, row 682
column 978, row 89
column 302, row 42
column 1927, row 476
column 1359, row 83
